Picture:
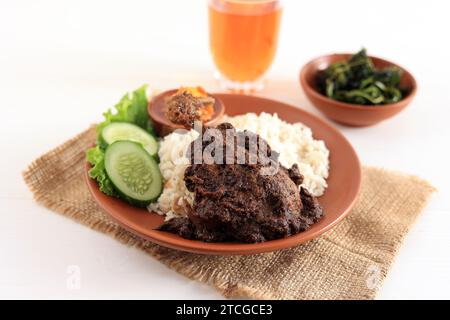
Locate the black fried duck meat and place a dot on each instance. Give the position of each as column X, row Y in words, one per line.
column 238, row 202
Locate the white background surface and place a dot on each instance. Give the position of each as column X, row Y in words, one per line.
column 62, row 63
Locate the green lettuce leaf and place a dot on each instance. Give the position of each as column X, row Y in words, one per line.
column 96, row 157
column 131, row 108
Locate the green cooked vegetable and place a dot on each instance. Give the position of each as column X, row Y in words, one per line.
column 357, row 81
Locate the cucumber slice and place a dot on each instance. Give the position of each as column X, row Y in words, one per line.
column 127, row 131
column 133, row 172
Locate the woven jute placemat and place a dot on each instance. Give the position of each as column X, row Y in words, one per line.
column 348, row 262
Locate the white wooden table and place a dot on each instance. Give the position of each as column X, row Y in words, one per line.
column 63, row 63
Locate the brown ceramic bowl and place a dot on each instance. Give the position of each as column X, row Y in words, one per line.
column 343, row 187
column 157, row 109
column 346, row 113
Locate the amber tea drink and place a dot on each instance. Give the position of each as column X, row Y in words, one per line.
column 243, row 39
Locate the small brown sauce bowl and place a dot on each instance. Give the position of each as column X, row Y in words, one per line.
column 347, row 113
column 157, row 108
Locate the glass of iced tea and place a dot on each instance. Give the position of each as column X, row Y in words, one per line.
column 243, row 38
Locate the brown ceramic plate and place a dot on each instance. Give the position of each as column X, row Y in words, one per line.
column 343, row 187
column 347, row 113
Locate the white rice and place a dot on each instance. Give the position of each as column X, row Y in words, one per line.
column 294, row 143
column 173, row 163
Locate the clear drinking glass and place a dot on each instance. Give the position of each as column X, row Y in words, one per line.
column 243, row 37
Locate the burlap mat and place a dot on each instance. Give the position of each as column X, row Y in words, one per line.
column 348, row 262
